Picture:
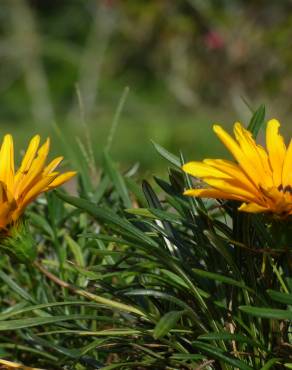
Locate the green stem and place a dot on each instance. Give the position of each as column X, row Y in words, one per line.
column 277, row 272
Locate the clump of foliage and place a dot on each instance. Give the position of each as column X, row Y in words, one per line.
column 141, row 277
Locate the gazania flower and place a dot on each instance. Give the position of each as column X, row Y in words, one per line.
column 259, row 178
column 19, row 188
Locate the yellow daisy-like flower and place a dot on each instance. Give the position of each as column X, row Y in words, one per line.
column 260, row 178
column 19, row 188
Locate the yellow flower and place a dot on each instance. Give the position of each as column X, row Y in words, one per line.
column 19, row 188
column 260, row 178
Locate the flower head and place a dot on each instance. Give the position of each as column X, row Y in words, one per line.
column 259, row 178
column 19, row 188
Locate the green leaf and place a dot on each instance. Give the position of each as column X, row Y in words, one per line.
column 101, row 189
column 216, row 353
column 106, row 215
column 174, row 277
column 268, row 365
column 166, row 323
column 38, row 308
column 280, row 297
column 187, row 356
column 135, row 189
column 125, row 365
column 37, row 321
column 15, row 287
column 102, row 333
column 117, row 179
column 170, row 298
column 42, row 223
column 219, row 277
column 144, row 212
column 228, row 337
column 257, row 120
column 23, row 349
column 76, row 251
column 167, row 155
column 222, row 247
column 268, row 313
column 154, row 213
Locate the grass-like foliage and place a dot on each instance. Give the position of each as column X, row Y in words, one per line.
column 141, row 277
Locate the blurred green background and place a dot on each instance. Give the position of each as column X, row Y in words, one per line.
column 187, row 63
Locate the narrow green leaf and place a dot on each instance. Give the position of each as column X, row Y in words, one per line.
column 280, row 297
column 170, row 298
column 126, row 365
column 106, row 215
column 268, row 365
column 174, row 277
column 269, row 313
column 15, row 287
column 257, row 121
column 97, row 333
column 167, row 155
column 145, row 212
column 40, row 307
column 154, row 213
column 117, row 179
column 116, row 118
column 228, row 337
column 187, row 356
column 166, row 323
column 42, row 223
column 76, row 250
column 216, row 353
column 37, row 321
column 221, row 246
column 29, row 349
column 101, row 189
column 219, row 277
column 135, row 189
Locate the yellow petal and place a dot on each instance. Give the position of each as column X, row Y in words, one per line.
column 28, row 158
column 7, row 162
column 29, row 154
column 276, row 149
column 238, row 154
column 254, row 154
column 35, row 170
column 5, row 194
column 61, row 179
column 234, row 171
column 6, row 212
column 277, row 201
column 265, row 163
column 287, row 167
column 232, row 187
column 7, row 205
column 52, row 165
column 211, row 193
column 37, row 189
column 200, row 169
column 252, row 208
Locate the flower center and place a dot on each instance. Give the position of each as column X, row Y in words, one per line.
column 286, row 189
